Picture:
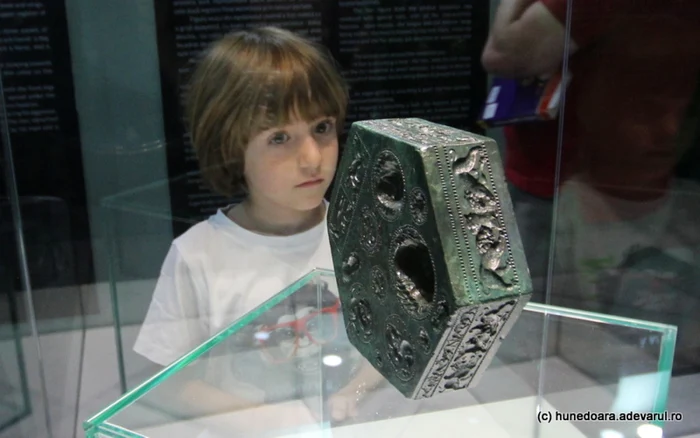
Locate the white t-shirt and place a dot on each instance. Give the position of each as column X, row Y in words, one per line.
column 217, row 272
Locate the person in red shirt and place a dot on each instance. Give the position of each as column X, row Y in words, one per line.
column 634, row 67
column 527, row 40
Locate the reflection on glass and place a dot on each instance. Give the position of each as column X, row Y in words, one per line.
column 627, row 235
column 294, row 335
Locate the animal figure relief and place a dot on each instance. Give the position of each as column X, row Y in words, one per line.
column 481, row 206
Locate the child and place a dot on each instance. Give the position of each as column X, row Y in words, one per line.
column 264, row 108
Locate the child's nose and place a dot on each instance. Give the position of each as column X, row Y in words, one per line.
column 310, row 154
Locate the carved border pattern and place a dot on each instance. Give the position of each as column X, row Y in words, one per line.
column 446, row 350
column 475, row 329
column 502, row 223
column 485, row 329
column 451, row 214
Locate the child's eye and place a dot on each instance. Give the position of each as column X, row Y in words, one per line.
column 324, row 127
column 279, row 138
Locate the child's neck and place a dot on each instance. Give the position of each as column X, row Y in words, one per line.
column 275, row 221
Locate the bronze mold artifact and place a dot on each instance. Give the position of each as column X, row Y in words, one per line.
column 428, row 259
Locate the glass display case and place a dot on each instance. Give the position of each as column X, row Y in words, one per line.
column 556, row 369
column 596, row 116
column 14, row 396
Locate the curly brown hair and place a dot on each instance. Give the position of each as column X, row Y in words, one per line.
column 249, row 81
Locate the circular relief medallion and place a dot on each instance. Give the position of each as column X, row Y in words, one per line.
column 350, row 267
column 418, row 204
column 388, row 185
column 378, row 358
column 378, row 283
column 400, row 350
column 369, row 230
column 424, row 340
column 360, row 322
column 355, row 171
column 440, row 316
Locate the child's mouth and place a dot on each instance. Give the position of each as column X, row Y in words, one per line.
column 311, row 183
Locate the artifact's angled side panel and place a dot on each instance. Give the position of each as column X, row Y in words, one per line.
column 426, row 252
column 483, row 227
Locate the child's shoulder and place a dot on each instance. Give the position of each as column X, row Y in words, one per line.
column 200, row 235
column 219, row 238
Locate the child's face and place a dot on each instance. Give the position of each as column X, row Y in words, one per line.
column 292, row 166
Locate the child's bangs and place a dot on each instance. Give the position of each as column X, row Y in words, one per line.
column 301, row 92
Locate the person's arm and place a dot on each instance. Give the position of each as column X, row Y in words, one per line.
column 185, row 396
column 343, row 404
column 526, row 40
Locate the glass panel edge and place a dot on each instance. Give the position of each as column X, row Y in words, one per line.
column 602, row 318
column 117, row 431
column 665, row 368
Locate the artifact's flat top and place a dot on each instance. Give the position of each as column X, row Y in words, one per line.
column 591, row 352
column 422, row 133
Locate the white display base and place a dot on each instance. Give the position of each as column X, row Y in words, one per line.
column 495, row 420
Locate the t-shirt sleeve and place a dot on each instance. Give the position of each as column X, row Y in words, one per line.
column 589, row 18
column 176, row 322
